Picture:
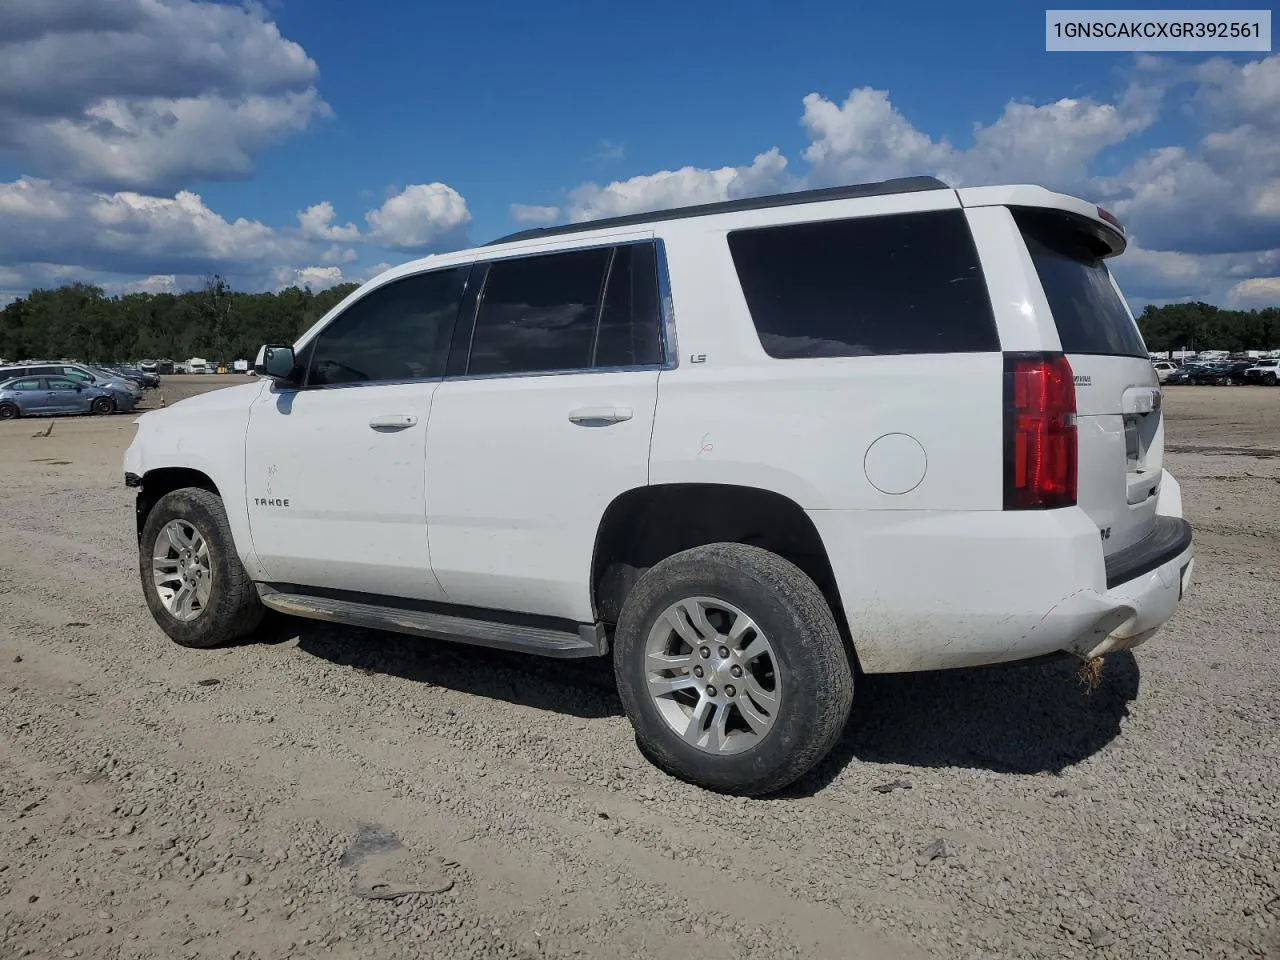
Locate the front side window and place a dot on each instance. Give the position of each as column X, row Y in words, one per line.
column 75, row 373
column 539, row 313
column 61, row 383
column 902, row 284
column 400, row 331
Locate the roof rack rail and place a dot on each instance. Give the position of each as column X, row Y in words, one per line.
column 882, row 188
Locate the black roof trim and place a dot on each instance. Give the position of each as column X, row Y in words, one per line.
column 880, row 189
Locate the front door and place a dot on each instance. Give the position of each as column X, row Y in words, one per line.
column 335, row 468
column 549, row 422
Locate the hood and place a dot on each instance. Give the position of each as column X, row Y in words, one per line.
column 224, row 398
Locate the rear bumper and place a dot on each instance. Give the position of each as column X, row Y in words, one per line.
column 926, row 590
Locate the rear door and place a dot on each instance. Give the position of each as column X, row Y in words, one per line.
column 32, row 397
column 1118, row 400
column 546, row 423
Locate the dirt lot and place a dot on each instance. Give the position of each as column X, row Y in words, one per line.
column 252, row 802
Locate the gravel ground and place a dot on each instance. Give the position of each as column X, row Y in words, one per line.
column 338, row 793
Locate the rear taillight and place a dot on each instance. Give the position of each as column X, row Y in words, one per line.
column 1040, row 432
column 1110, row 217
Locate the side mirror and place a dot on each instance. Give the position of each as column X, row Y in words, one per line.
column 278, row 363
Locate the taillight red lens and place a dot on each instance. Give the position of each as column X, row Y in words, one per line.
column 1040, row 432
column 1110, row 217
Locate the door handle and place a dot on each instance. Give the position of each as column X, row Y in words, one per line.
column 393, row 421
column 586, row 416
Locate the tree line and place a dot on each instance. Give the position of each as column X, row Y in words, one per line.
column 215, row 322
column 81, row 322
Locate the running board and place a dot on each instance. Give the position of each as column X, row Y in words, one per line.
column 588, row 640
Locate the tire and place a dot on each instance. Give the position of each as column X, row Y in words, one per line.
column 230, row 609
column 9, row 411
column 1269, row 379
column 811, row 680
column 103, row 405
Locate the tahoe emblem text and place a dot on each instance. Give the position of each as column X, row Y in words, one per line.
column 268, row 502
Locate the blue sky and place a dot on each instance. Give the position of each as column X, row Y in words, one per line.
column 144, row 143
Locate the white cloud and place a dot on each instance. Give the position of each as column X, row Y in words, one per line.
column 864, row 139
column 1201, row 215
column 158, row 283
column 130, row 233
column 48, row 230
column 147, row 94
column 316, row 223
column 676, row 188
column 317, row 278
column 1255, row 292
column 608, row 150
column 422, row 216
column 530, row 213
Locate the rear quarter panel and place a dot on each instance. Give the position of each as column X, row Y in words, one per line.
column 729, row 413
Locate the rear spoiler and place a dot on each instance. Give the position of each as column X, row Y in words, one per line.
column 1099, row 223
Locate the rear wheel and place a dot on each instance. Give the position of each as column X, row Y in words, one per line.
column 732, row 669
column 9, row 411
column 192, row 578
column 103, row 405
column 1269, row 379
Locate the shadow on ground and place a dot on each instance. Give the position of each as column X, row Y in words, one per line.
column 1009, row 719
column 577, row 688
column 1036, row 718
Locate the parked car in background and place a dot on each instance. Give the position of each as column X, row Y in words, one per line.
column 126, row 392
column 42, row 396
column 1265, row 372
column 1164, row 368
column 147, row 381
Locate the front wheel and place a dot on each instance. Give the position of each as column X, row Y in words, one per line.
column 103, row 405
column 8, row 411
column 731, row 669
column 192, row 578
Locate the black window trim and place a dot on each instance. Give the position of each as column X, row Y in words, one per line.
column 991, row 318
column 465, row 321
column 666, row 318
column 307, row 346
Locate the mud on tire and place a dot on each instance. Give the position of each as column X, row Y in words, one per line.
column 232, row 610
column 808, row 666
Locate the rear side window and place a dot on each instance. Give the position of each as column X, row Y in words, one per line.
column 630, row 331
column 25, row 385
column 902, row 284
column 538, row 314
column 1090, row 316
column 400, row 331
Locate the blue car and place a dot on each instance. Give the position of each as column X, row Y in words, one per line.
column 38, row 396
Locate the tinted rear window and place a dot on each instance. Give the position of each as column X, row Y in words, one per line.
column 1091, row 317
column 907, row 283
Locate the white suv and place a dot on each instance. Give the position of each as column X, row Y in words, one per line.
column 746, row 449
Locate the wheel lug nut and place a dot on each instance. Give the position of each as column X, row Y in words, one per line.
column 697, row 671
column 736, row 671
column 729, row 691
column 724, row 652
column 705, row 652
column 711, row 691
